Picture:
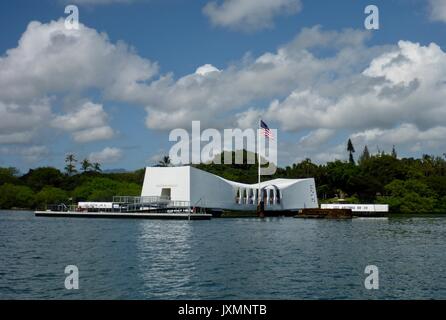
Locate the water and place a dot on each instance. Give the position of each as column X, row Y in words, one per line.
column 222, row 258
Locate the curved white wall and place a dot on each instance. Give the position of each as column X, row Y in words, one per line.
column 205, row 189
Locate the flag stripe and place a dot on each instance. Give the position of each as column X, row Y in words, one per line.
column 265, row 130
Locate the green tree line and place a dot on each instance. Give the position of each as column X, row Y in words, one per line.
column 408, row 185
column 45, row 186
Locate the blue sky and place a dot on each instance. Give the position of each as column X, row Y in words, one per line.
column 172, row 38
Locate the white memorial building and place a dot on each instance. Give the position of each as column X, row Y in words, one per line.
column 203, row 189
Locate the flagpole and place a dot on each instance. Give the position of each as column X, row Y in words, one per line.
column 258, row 155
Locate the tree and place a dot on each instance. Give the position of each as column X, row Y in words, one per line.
column 40, row 177
column 305, row 169
column 104, row 189
column 394, row 154
column 351, row 150
column 9, row 175
column 410, row 196
column 164, row 162
column 365, row 155
column 85, row 165
column 12, row 196
column 50, row 195
column 96, row 167
column 70, row 161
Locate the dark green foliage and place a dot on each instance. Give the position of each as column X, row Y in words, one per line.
column 36, row 179
column 365, row 155
column 70, row 167
column 9, row 175
column 45, row 186
column 394, row 154
column 164, row 162
column 86, row 165
column 96, row 167
column 16, row 196
column 103, row 189
column 411, row 196
column 351, row 150
column 50, row 195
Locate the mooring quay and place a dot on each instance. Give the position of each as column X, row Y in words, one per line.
column 130, row 208
column 126, row 215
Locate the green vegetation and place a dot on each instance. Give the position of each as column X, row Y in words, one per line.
column 44, row 186
column 408, row 185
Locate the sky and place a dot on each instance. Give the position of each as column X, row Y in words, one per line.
column 113, row 90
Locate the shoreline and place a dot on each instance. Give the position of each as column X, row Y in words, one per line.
column 239, row 215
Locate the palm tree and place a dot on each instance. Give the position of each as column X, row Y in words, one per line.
column 351, row 150
column 96, row 167
column 85, row 165
column 365, row 155
column 164, row 162
column 394, row 154
column 70, row 160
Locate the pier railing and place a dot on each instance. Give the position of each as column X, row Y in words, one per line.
column 131, row 204
column 132, row 199
column 150, row 204
column 61, row 207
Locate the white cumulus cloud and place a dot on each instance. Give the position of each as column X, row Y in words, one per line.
column 172, row 103
column 19, row 123
column 406, row 84
column 107, row 155
column 249, row 15
column 53, row 60
column 438, row 10
column 88, row 123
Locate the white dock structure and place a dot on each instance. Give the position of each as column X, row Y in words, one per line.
column 365, row 208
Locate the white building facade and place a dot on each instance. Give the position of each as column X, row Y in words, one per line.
column 203, row 189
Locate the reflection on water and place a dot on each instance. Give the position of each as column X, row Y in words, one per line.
column 222, row 258
column 164, row 259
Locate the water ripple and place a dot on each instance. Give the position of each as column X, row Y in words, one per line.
column 221, row 258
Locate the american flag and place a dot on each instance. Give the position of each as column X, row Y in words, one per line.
column 265, row 130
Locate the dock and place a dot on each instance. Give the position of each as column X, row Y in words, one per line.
column 124, row 215
column 128, row 208
column 325, row 214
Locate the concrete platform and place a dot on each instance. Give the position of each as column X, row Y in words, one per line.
column 119, row 215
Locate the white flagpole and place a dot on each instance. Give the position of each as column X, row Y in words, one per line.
column 258, row 155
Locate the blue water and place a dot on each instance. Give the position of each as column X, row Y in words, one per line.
column 221, row 259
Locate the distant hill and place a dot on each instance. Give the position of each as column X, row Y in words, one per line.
column 119, row 170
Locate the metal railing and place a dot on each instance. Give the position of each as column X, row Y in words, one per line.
column 133, row 199
column 127, row 204
column 62, row 207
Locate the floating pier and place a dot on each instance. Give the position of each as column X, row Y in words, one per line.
column 129, row 208
column 325, row 214
column 124, row 215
